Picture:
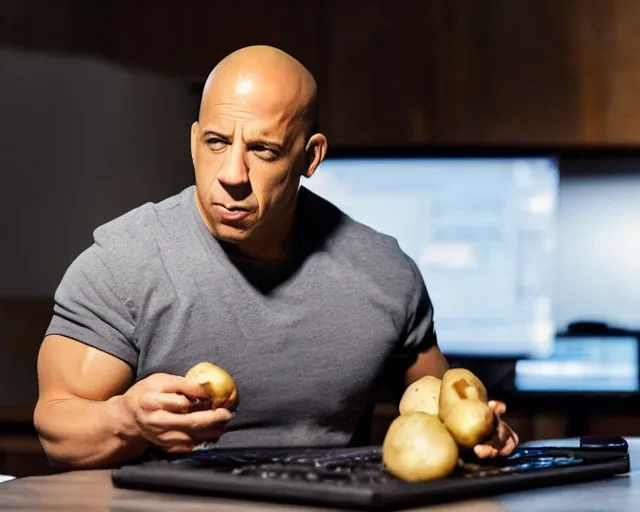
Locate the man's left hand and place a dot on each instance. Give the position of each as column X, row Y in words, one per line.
column 503, row 441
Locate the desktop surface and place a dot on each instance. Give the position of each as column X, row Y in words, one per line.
column 93, row 490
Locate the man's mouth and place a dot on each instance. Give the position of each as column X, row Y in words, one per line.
column 230, row 213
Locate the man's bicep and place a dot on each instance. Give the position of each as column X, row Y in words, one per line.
column 68, row 368
column 90, row 305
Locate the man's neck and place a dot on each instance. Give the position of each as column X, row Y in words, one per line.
column 273, row 252
column 277, row 246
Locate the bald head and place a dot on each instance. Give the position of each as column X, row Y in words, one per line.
column 264, row 78
column 254, row 140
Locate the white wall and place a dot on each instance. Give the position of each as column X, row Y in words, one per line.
column 81, row 141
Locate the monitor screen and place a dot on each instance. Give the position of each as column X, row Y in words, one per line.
column 482, row 232
column 602, row 364
column 598, row 264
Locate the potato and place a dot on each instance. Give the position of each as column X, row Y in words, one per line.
column 421, row 396
column 470, row 422
column 459, row 384
column 219, row 385
column 418, row 447
column 464, row 409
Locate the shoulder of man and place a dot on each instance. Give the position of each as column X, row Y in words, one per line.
column 371, row 252
column 132, row 233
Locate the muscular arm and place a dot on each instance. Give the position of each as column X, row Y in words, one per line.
column 432, row 362
column 80, row 416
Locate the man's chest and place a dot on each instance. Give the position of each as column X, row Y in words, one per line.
column 317, row 344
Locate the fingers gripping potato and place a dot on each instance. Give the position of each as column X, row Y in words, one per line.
column 218, row 384
column 158, row 409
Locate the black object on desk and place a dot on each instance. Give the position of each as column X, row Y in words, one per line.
column 355, row 477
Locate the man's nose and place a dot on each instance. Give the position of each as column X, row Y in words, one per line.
column 235, row 171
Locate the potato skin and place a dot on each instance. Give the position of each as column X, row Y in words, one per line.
column 456, row 381
column 217, row 382
column 422, row 396
column 464, row 407
column 470, row 422
column 418, row 447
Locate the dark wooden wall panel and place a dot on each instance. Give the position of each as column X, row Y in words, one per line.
column 406, row 72
column 180, row 38
column 590, row 27
column 378, row 86
column 523, row 85
column 452, row 72
column 621, row 37
column 188, row 38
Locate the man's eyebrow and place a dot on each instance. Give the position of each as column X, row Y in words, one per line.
column 209, row 132
column 269, row 144
column 273, row 145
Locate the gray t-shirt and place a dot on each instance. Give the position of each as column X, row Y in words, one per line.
column 307, row 341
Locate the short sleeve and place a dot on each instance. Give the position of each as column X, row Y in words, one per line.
column 418, row 334
column 89, row 307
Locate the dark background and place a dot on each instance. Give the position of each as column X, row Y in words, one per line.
column 96, row 100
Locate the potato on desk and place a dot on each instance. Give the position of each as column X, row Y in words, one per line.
column 421, row 396
column 437, row 419
column 418, row 447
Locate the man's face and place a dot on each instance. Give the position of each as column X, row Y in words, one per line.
column 249, row 151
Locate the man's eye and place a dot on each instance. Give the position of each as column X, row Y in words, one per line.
column 215, row 143
column 264, row 152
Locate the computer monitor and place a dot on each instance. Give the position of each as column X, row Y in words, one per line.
column 481, row 230
column 583, row 365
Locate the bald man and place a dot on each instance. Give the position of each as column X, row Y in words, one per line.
column 308, row 310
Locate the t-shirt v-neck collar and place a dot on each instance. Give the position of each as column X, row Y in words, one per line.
column 261, row 276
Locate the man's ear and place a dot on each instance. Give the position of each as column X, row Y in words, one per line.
column 195, row 134
column 316, row 150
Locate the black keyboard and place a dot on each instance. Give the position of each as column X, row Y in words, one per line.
column 356, row 478
column 356, row 466
column 336, row 466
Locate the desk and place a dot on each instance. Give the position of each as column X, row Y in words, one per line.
column 92, row 490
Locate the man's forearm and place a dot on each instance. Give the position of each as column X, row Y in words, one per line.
column 79, row 433
column 432, row 362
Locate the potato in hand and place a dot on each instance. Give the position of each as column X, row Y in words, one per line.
column 218, row 384
column 464, row 407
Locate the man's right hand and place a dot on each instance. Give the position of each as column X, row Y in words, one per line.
column 160, row 409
